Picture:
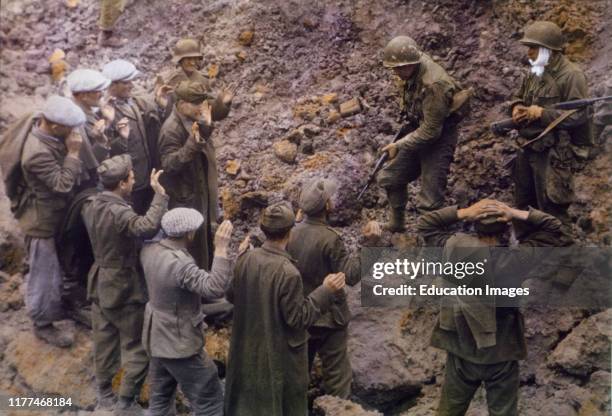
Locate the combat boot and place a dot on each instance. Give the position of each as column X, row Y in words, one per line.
column 396, row 223
column 107, row 38
column 53, row 336
column 105, row 397
column 128, row 406
column 397, row 209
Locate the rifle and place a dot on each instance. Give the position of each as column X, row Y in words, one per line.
column 500, row 128
column 504, row 126
column 404, row 130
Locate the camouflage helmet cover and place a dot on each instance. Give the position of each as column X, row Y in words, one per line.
column 400, row 51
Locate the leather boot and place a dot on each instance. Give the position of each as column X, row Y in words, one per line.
column 397, row 210
column 53, row 336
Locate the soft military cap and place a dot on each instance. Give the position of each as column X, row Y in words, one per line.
column 191, row 91
column 115, row 169
column 120, row 70
column 179, row 221
column 62, row 110
column 85, row 80
column 490, row 225
column 314, row 195
column 278, row 216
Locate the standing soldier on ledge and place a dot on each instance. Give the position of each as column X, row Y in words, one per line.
column 543, row 171
column 429, row 102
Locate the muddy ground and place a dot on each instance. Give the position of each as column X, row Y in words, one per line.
column 303, row 61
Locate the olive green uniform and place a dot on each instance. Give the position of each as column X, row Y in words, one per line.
column 110, row 10
column 543, row 171
column 117, row 288
column 426, row 101
column 267, row 373
column 469, row 361
column 319, row 251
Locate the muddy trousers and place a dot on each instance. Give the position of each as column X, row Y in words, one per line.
column 198, row 379
column 110, row 10
column 331, row 346
column 462, row 378
column 117, row 342
column 431, row 163
column 539, row 184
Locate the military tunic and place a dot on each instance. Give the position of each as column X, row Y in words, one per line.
column 267, row 373
column 190, row 176
column 174, row 324
column 467, row 365
column 116, row 286
column 543, row 171
column 426, row 101
column 319, row 251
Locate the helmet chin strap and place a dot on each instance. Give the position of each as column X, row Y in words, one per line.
column 537, row 66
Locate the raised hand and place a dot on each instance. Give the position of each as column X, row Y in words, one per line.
column 223, row 237
column 155, row 185
column 73, row 143
column 123, row 127
column 206, row 113
column 108, row 109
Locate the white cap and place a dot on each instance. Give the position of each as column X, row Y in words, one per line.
column 64, row 111
column 120, row 70
column 179, row 221
column 85, row 80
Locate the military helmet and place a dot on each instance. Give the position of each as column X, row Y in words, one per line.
column 400, row 51
column 186, row 48
column 542, row 33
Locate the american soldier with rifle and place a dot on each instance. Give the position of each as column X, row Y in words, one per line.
column 554, row 129
column 434, row 103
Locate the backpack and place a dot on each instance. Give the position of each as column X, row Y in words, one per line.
column 11, row 147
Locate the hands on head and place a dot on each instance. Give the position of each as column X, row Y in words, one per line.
column 490, row 208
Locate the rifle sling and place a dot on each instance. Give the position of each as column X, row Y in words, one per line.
column 551, row 126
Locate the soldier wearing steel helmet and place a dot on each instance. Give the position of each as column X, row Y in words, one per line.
column 428, row 103
column 543, row 171
column 187, row 58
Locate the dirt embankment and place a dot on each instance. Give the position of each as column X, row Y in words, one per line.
column 295, row 64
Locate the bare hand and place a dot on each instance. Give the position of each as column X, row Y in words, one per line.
column 123, row 127
column 534, row 112
column 518, row 113
column 227, row 95
column 299, row 216
column 372, row 231
column 391, row 149
column 155, row 185
column 222, row 238
column 98, row 129
column 334, row 281
column 73, row 143
column 245, row 245
column 476, row 211
column 206, row 113
column 108, row 110
column 162, row 94
column 195, row 133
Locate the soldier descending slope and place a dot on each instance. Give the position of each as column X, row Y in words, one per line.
column 430, row 103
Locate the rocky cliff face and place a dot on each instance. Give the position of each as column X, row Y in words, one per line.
column 298, row 67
